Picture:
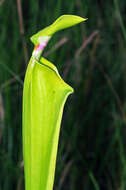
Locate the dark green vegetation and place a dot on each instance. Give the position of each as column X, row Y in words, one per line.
column 92, row 151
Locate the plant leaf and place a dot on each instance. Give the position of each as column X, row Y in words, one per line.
column 44, row 96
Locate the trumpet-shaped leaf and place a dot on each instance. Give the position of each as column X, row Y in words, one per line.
column 44, row 96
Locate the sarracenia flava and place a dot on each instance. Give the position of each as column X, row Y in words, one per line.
column 44, row 96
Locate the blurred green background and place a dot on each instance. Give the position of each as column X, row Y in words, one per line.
column 91, row 57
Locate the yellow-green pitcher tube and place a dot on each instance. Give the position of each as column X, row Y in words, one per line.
column 44, row 96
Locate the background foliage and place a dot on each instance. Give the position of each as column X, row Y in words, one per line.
column 91, row 58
